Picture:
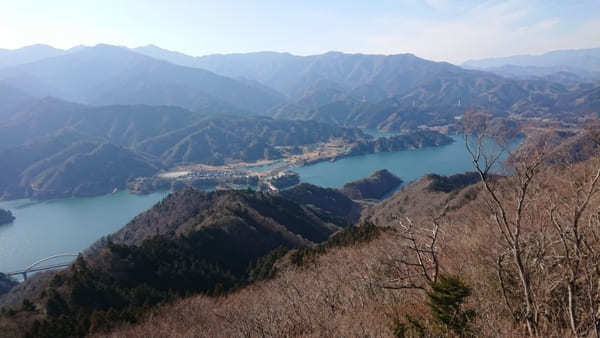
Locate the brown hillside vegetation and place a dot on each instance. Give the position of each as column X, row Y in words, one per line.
column 191, row 242
column 526, row 245
column 474, row 254
column 338, row 295
column 347, row 292
column 375, row 186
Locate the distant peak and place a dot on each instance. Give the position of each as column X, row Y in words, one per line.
column 77, row 48
column 37, row 46
column 107, row 46
column 150, row 46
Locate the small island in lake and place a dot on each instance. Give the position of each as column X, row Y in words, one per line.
column 6, row 216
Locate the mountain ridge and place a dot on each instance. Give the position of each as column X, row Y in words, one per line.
column 392, row 92
column 387, row 92
column 47, row 142
column 106, row 74
column 549, row 59
column 27, row 54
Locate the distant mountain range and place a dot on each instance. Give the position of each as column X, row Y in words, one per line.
column 9, row 58
column 395, row 92
column 133, row 115
column 588, row 59
column 63, row 112
column 387, row 92
column 104, row 75
column 584, row 64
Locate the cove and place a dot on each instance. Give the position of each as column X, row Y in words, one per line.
column 69, row 225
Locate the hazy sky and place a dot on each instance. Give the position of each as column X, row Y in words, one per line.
column 434, row 29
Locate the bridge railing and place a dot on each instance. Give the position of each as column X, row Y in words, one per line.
column 34, row 267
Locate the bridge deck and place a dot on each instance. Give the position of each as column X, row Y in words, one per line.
column 41, row 268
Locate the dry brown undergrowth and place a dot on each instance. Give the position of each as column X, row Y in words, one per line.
column 343, row 293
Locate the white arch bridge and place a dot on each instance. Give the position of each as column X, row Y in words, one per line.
column 37, row 266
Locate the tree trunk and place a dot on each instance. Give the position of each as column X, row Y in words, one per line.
column 529, row 316
column 571, row 291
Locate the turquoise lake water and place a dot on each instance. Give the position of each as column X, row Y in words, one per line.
column 409, row 165
column 70, row 225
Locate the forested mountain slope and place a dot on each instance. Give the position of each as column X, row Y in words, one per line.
column 381, row 288
column 378, row 285
column 390, row 92
column 104, row 75
column 191, row 242
column 46, row 142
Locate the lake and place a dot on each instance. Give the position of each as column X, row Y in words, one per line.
column 407, row 164
column 70, row 225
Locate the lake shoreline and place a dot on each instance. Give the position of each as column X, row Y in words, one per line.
column 232, row 175
column 44, row 228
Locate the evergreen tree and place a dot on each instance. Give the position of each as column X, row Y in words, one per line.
column 445, row 302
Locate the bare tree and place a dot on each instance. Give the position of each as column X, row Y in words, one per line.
column 507, row 214
column 546, row 213
column 419, row 266
column 578, row 239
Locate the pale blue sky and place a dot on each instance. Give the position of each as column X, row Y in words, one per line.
column 435, row 29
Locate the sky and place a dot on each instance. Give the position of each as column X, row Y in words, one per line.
column 440, row 30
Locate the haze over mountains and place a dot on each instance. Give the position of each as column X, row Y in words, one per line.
column 27, row 54
column 396, row 91
column 285, row 85
column 105, row 74
column 585, row 59
column 57, row 149
column 583, row 64
column 89, row 120
column 160, row 109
